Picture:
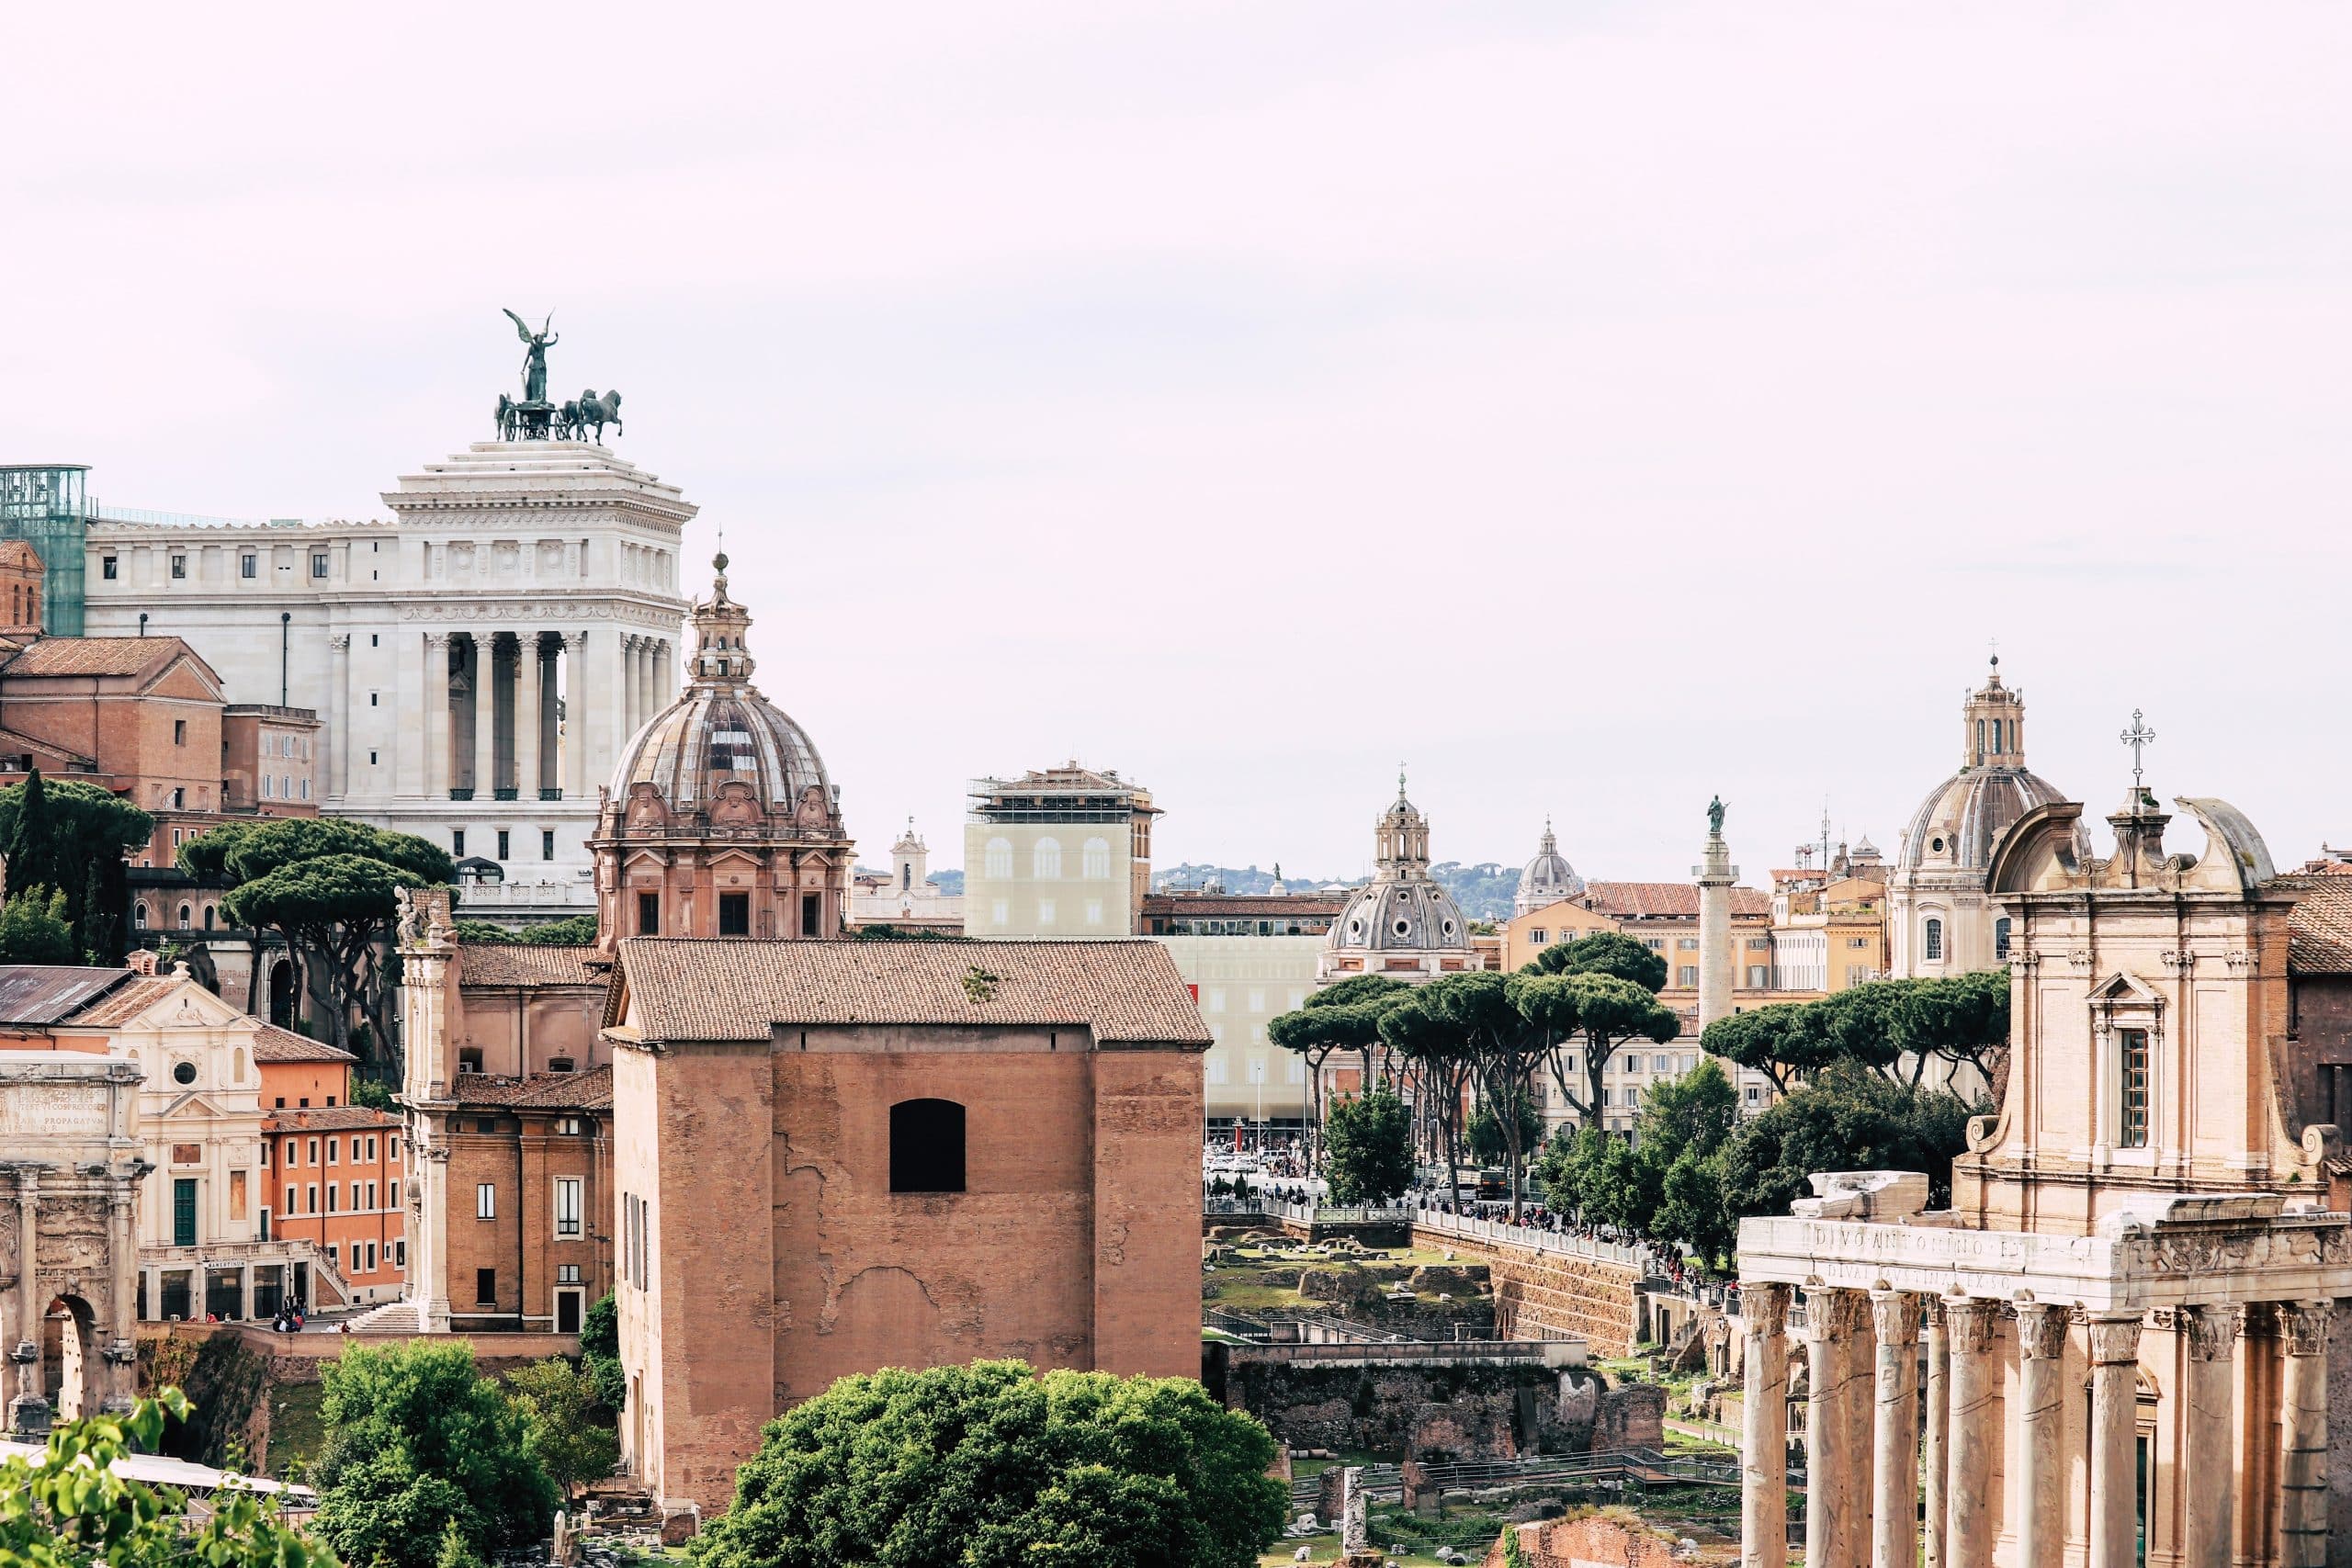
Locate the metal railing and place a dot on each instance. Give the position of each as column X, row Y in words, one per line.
column 1563, row 1243
column 1386, row 1482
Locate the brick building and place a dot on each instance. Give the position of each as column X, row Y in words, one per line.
column 957, row 1149
column 333, row 1178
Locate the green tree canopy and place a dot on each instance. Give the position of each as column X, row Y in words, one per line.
column 1848, row 1117
column 1604, row 953
column 68, row 1507
column 1895, row 1028
column 580, row 930
column 1370, row 1157
column 1490, row 1140
column 1599, row 1011
column 566, row 1426
column 71, row 836
column 988, row 1466
column 417, row 1439
column 34, row 929
column 1343, row 1017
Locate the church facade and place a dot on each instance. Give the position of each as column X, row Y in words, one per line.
column 2125, row 1314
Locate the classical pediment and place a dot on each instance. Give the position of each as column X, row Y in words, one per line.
column 2125, row 989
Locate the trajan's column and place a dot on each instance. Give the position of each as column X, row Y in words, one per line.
column 1716, row 875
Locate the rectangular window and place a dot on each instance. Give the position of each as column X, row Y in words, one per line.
column 567, row 1206
column 245, row 567
column 334, row 1151
column 2132, row 1046
column 393, row 1147
column 334, row 1194
column 567, row 1273
column 734, row 914
column 182, row 1212
column 504, row 846
column 314, row 1143
column 109, row 568
column 1045, row 912
column 812, row 914
column 1685, row 945
column 371, row 1148
column 291, row 1206
column 310, row 1195
column 547, row 843
column 400, row 1252
column 318, row 563
column 649, row 914
column 1759, row 976
column 457, row 843
column 334, row 1253
column 1536, row 936
column 179, row 566
column 371, row 1258
column 485, row 1202
column 371, row 1195
column 1688, row 975
column 179, row 732
column 485, row 1286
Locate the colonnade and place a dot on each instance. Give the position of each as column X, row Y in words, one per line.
column 492, row 702
column 1867, row 1462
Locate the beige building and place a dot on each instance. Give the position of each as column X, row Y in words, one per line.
column 1248, row 958
column 906, row 899
column 1061, row 852
column 2126, row 1310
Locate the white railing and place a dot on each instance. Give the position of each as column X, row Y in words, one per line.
column 1564, row 1244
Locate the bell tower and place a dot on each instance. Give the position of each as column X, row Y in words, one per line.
column 911, row 861
column 1992, row 725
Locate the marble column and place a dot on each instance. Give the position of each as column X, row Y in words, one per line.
column 28, row 1416
column 1894, row 1456
column 438, row 718
column 485, row 680
column 337, row 734
column 2041, row 1500
column 1764, row 1446
column 2302, row 1419
column 551, row 773
column 2115, row 1421
column 1934, row 1431
column 120, row 1336
column 2208, row 1435
column 574, row 739
column 1837, row 1458
column 1968, row 1438
column 526, row 717
column 628, row 694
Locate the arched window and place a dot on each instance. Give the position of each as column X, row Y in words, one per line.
column 208, row 916
column 926, row 1146
column 237, row 1072
column 1098, row 860
column 1931, row 943
column 138, row 915
column 185, row 917
column 1046, row 861
column 2001, row 938
column 906, row 876
column 999, row 860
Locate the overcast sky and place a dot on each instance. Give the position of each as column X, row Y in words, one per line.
column 1596, row 407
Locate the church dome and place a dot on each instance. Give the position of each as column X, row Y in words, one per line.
column 1956, row 827
column 721, row 732
column 1402, row 908
column 1546, row 879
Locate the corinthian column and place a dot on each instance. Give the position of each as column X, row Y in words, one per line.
column 1936, row 1423
column 2208, row 1389
column 2042, row 1475
column 526, row 717
column 1764, row 1447
column 119, row 1351
column 574, row 739
column 1837, row 1461
column 29, row 1417
column 438, row 719
column 2302, row 1412
column 1894, row 1459
column 485, row 716
column 1968, row 1443
column 2115, row 1416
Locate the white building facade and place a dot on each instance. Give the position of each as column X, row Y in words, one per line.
column 477, row 662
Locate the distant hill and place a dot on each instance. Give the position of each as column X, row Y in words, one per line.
column 1483, row 890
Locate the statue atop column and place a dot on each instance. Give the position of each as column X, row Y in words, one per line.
column 1715, row 818
column 535, row 355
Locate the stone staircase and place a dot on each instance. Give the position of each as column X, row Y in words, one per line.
column 392, row 1317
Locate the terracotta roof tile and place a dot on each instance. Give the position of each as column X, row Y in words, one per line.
column 94, row 656
column 124, row 1003
column 1127, row 991
column 528, row 963
column 331, row 1119
column 591, row 1090
column 1678, row 899
column 2318, row 933
column 275, row 1044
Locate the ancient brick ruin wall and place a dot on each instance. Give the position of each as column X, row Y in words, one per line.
column 1539, row 1293
column 1442, row 1413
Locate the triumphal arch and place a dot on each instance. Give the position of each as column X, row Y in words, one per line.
column 2112, row 1348
column 70, row 1169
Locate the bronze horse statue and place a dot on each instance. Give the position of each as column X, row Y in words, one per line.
column 593, row 411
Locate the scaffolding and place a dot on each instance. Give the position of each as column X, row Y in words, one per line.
column 47, row 505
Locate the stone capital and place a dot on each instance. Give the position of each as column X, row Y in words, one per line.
column 2115, row 1338
column 2211, row 1331
column 1934, row 1308
column 1831, row 1316
column 436, row 639
column 341, row 642
column 1764, row 1309
column 2041, row 1331
column 2303, row 1325
column 1894, row 1316
column 1969, row 1322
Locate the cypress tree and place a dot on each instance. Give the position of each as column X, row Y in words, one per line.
column 32, row 848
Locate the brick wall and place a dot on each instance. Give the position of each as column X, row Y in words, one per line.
column 1539, row 1293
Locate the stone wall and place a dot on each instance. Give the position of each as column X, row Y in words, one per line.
column 1561, row 1543
column 1440, row 1414
column 1542, row 1293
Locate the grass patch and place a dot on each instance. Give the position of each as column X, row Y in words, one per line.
column 296, row 1431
